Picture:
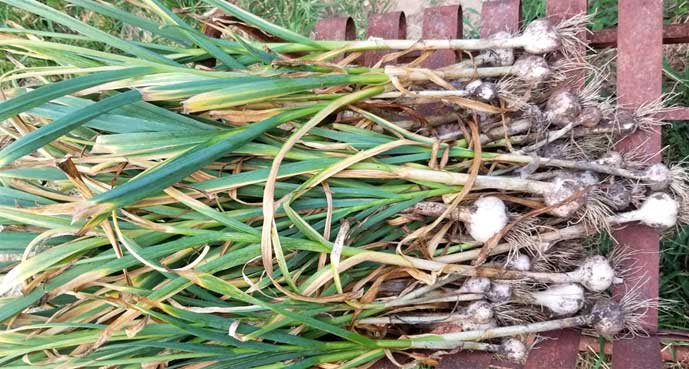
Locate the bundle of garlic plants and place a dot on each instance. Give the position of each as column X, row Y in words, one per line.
column 279, row 209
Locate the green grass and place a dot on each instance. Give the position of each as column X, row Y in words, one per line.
column 12, row 17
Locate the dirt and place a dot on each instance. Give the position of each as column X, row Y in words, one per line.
column 413, row 10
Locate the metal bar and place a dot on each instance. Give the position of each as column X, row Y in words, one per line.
column 442, row 22
column 336, row 28
column 637, row 353
column 639, row 80
column 496, row 363
column 674, row 353
column 558, row 10
column 500, row 15
column 672, row 34
column 392, row 26
column 675, row 114
column 559, row 350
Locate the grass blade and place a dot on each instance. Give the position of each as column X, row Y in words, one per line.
column 218, row 285
column 131, row 19
column 48, row 133
column 52, row 91
column 169, row 172
column 193, row 35
column 262, row 24
column 250, row 92
column 93, row 33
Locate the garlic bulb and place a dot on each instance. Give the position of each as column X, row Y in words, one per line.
column 596, row 274
column 480, row 312
column 608, row 318
column 658, row 211
column 563, row 299
column 487, row 217
column 658, row 177
column 513, row 349
column 500, row 57
column 564, row 187
column 499, row 292
column 519, row 262
column 563, row 107
column 532, row 69
column 475, row 285
column 540, row 37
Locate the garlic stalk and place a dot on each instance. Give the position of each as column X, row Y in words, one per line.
column 539, row 37
column 553, row 192
column 607, row 317
column 484, row 218
column 560, row 299
column 530, row 69
column 485, row 91
column 471, row 290
column 479, row 312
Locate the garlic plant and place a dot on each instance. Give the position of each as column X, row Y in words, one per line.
column 277, row 209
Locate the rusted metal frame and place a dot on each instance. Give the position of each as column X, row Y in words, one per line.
column 466, row 360
column 639, row 80
column 671, row 353
column 392, row 26
column 672, row 34
column 336, row 28
column 442, row 22
column 501, row 15
column 675, row 114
